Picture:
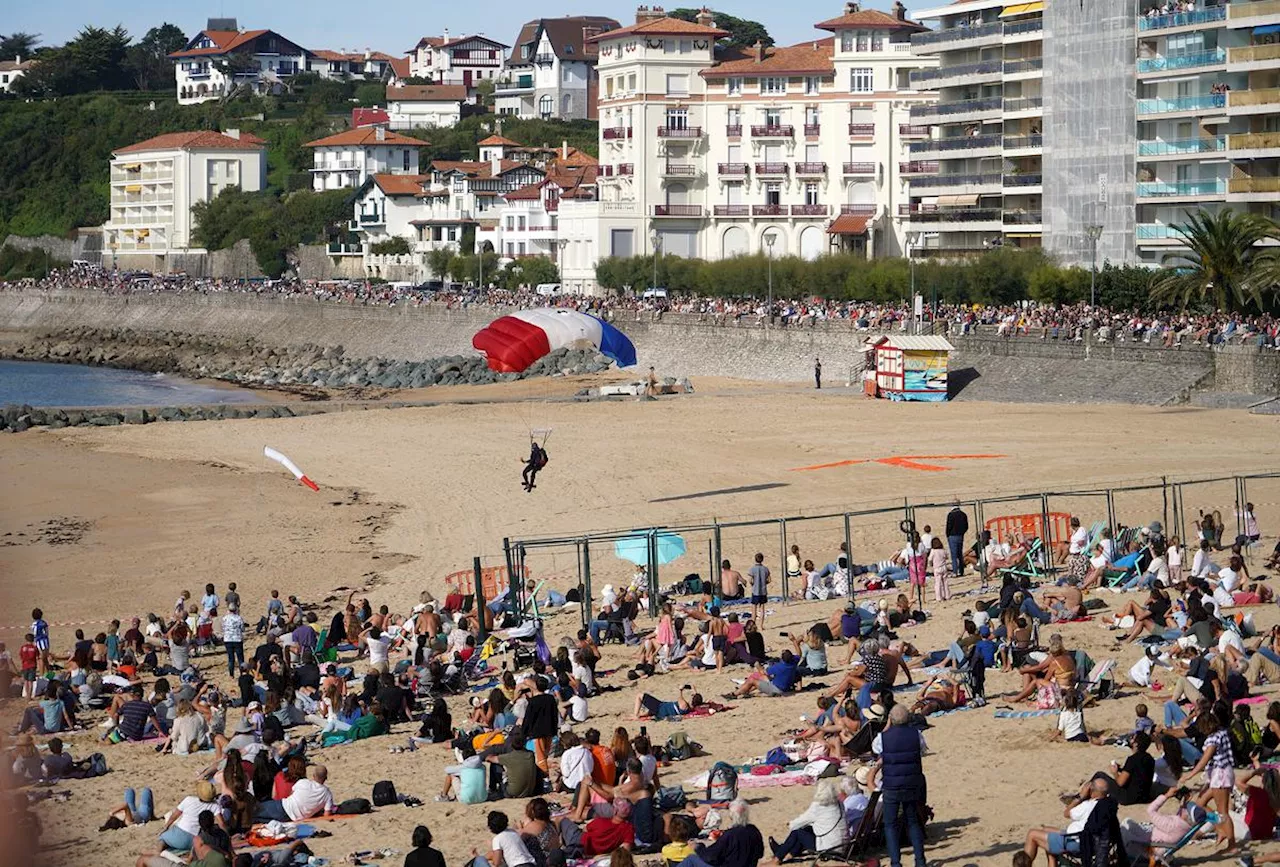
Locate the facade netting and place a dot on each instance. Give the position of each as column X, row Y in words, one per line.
column 1090, row 128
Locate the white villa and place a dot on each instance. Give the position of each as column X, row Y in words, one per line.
column 348, row 158
column 552, row 69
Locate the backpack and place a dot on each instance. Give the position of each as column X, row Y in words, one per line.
column 680, row 747
column 96, row 765
column 354, row 806
column 777, row 756
column 384, row 793
column 670, row 798
column 722, row 782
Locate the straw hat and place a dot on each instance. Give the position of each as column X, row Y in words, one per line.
column 874, row 713
column 862, row 775
column 205, row 791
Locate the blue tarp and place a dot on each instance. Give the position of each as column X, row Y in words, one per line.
column 1265, row 29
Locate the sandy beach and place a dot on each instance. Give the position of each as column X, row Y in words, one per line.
column 102, row 523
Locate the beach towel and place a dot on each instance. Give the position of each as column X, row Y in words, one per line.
column 956, row 710
column 488, row 684
column 708, row 709
column 786, row 778
column 1253, row 699
column 1024, row 714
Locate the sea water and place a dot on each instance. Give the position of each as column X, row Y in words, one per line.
column 72, row 385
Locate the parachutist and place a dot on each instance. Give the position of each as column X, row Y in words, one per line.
column 537, row 460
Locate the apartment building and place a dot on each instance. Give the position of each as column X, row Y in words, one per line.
column 552, row 69
column 464, row 61
column 154, row 184
column 348, row 158
column 1087, row 126
column 354, row 65
column 798, row 150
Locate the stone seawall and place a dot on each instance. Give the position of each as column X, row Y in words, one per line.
column 995, row 368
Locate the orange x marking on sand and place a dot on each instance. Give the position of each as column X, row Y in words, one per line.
column 907, row 462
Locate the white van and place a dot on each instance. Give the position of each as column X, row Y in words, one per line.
column 548, row 290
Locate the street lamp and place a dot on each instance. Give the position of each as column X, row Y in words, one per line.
column 769, row 238
column 656, row 240
column 1093, row 232
column 913, row 238
column 561, row 243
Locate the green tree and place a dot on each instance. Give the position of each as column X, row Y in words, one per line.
column 438, row 262
column 94, row 60
column 743, row 32
column 484, row 92
column 148, row 60
column 1221, row 265
column 369, row 95
column 18, row 45
column 393, row 246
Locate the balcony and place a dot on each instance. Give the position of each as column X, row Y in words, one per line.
column 1022, row 218
column 862, row 130
column 928, row 79
column 957, row 143
column 1016, row 104
column 918, row 168
column 514, row 85
column 1022, row 180
column 371, row 219
column 771, row 168
column 626, row 169
column 731, row 169
column 1254, row 54
column 1182, row 19
column 677, row 210
column 954, row 37
column 987, row 105
column 679, row 132
column 1239, row 186
column 767, row 131
column 1182, row 104
column 1182, row 189
column 1215, row 57
column 768, row 210
column 964, row 215
column 731, row 210
column 812, row 128
column 678, row 170
column 1017, row 67
column 338, row 249
column 907, row 130
column 859, row 168
column 1265, row 99
column 338, row 166
column 809, row 210
column 858, row 210
column 958, row 179
column 605, row 171
column 1241, row 14
column 1256, row 141
column 545, row 59
column 1181, row 146
column 733, row 130
column 1021, row 28
column 1023, row 142
column 810, row 170
column 615, row 132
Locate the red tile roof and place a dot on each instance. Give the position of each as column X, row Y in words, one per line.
column 848, row 224
column 365, row 136
column 807, row 58
column 499, row 140
column 401, row 185
column 400, row 67
column 529, row 193
column 663, row 27
column 201, row 140
column 225, row 41
column 870, row 19
column 427, row 92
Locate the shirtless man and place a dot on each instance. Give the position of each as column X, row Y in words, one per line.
column 732, row 585
column 719, row 629
column 1069, row 595
column 428, row 623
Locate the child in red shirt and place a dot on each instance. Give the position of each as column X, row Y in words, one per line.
column 29, row 656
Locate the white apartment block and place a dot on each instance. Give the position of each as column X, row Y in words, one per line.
column 221, row 59
column 349, row 158
column 424, row 105
column 155, row 183
column 799, row 150
column 1061, row 120
column 11, row 71
column 466, row 61
column 552, row 69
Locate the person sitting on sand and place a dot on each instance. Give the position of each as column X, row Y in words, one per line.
column 1150, row 619
column 650, row 707
column 871, row 670
column 739, row 845
column 506, row 850
column 1065, row 602
column 1060, row 841
column 941, row 693
column 1131, row 782
column 310, row 797
column 779, row 678
column 820, row 828
column 1056, row 673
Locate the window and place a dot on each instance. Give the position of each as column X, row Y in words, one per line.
column 405, row 166
column 527, row 51
column 677, row 85
column 735, row 87
column 772, row 117
column 735, row 153
column 773, row 194
column 686, row 46
column 812, row 153
column 622, row 243
column 864, row 43
column 811, row 85
column 677, row 118
column 811, row 193
column 568, row 49
column 773, row 85
column 669, row 46
column 735, row 117
column 733, row 194
column 566, row 74
column 453, row 233
column 631, row 83
column 860, row 80
column 811, row 115
column 546, row 105
column 877, row 41
column 846, row 40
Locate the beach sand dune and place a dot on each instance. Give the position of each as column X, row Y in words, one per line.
column 109, row 523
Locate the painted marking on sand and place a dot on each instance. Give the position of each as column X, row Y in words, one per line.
column 922, row 463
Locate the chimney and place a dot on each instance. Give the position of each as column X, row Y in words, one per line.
column 380, row 132
column 851, row 7
column 564, row 149
column 445, row 35
column 899, row 11
column 758, row 50
column 232, row 133
column 645, row 13
column 17, row 58
column 704, row 17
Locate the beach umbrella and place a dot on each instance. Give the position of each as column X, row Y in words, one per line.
column 635, row 549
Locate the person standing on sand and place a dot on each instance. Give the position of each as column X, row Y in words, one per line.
column 731, row 583
column 40, row 634
column 903, row 784
column 817, row 373
column 759, row 574
column 957, row 527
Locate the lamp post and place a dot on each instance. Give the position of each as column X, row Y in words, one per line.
column 1093, row 232
column 769, row 238
column 656, row 240
column 913, row 238
column 561, row 243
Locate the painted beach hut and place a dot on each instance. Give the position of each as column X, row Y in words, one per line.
column 908, row 366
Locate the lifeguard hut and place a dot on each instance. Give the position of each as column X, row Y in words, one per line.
column 908, row 366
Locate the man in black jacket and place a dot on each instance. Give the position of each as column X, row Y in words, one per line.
column 541, row 720
column 957, row 526
column 902, row 783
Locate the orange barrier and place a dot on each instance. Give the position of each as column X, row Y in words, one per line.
column 1008, row 528
column 493, row 579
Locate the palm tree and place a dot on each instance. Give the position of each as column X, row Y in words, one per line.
column 1223, row 263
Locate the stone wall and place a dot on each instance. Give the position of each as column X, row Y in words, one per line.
column 998, row 368
column 86, row 244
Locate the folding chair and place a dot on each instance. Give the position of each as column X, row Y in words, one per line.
column 1164, row 854
column 1029, row 566
column 860, row 842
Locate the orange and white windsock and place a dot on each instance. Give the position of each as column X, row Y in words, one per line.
column 290, row 466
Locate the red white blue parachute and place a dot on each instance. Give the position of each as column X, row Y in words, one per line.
column 513, row 343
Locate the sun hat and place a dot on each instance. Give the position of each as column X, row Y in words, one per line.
column 862, row 775
column 874, row 713
column 205, row 791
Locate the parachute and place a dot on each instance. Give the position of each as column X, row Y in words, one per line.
column 513, row 343
column 290, row 466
